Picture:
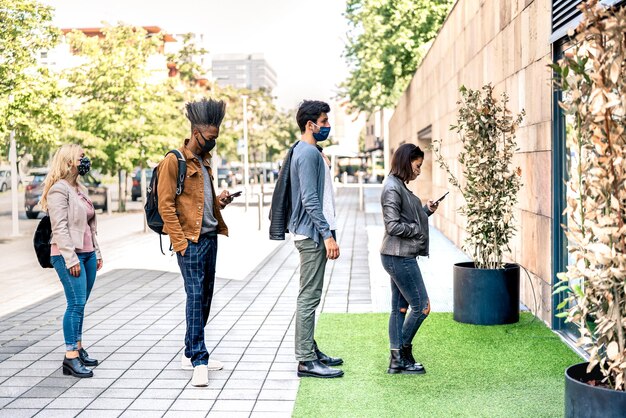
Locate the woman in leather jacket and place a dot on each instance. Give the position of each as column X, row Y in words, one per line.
column 405, row 238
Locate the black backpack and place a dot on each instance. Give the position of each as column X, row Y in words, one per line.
column 41, row 242
column 153, row 218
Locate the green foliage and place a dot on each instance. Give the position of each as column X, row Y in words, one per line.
column 270, row 132
column 134, row 116
column 386, row 42
column 122, row 110
column 35, row 112
column 487, row 132
column 471, row 371
column 188, row 69
column 132, row 119
column 286, row 132
column 593, row 79
column 25, row 30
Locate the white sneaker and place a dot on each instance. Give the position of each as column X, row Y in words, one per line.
column 200, row 376
column 185, row 363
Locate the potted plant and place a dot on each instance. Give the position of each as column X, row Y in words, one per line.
column 486, row 291
column 593, row 78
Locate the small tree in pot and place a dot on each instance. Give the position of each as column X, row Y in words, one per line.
column 594, row 77
column 487, row 131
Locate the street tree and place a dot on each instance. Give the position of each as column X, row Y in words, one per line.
column 270, row 131
column 386, row 42
column 128, row 109
column 29, row 94
column 286, row 132
column 261, row 125
column 184, row 62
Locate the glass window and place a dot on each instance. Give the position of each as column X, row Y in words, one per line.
column 566, row 154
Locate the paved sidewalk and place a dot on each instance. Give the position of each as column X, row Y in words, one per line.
column 125, row 245
column 135, row 326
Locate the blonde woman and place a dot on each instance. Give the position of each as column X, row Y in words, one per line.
column 74, row 252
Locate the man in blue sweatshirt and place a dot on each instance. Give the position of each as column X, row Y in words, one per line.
column 312, row 225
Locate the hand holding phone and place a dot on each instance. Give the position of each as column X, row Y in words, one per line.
column 236, row 194
column 436, row 202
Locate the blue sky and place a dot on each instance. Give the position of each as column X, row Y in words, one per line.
column 303, row 41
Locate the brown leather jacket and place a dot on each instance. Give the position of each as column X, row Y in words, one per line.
column 182, row 215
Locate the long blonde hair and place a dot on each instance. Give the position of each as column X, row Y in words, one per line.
column 61, row 169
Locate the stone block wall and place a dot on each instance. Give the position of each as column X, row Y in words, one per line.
column 505, row 43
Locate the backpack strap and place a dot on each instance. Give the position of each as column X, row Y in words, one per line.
column 182, row 171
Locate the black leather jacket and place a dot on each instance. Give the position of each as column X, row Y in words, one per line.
column 280, row 211
column 406, row 220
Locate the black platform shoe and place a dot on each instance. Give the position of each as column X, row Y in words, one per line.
column 316, row 368
column 407, row 352
column 398, row 365
column 327, row 360
column 75, row 367
column 84, row 357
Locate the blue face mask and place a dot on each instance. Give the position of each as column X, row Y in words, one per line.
column 322, row 135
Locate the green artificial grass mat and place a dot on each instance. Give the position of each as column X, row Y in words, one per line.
column 471, row 371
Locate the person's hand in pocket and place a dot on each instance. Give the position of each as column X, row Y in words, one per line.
column 75, row 270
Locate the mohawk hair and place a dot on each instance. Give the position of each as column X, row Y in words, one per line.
column 206, row 112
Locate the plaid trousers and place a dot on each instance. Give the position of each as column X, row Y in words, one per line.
column 198, row 269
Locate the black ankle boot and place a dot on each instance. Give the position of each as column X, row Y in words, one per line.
column 407, row 353
column 75, row 367
column 398, row 365
column 327, row 360
column 84, row 357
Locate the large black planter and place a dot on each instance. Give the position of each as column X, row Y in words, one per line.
column 486, row 296
column 583, row 400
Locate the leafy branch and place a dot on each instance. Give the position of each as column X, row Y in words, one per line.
column 487, row 132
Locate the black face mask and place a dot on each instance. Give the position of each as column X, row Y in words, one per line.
column 84, row 166
column 208, row 144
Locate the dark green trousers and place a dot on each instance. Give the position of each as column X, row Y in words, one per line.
column 312, row 267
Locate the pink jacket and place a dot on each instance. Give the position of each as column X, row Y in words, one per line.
column 68, row 217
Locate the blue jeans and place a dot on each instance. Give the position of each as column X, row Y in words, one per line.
column 77, row 290
column 198, row 269
column 407, row 289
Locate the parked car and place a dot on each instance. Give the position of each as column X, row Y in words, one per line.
column 256, row 173
column 33, row 191
column 238, row 174
column 135, row 191
column 224, row 175
column 5, row 180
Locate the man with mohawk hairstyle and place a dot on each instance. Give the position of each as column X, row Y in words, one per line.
column 192, row 219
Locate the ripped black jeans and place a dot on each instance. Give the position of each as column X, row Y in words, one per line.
column 407, row 289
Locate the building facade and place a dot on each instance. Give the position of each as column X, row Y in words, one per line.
column 510, row 45
column 249, row 71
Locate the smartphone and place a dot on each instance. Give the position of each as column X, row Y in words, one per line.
column 441, row 198
column 236, row 194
